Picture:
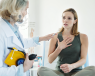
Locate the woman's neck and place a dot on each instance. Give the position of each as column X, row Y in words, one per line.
column 66, row 32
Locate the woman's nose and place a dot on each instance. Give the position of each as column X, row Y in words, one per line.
column 65, row 20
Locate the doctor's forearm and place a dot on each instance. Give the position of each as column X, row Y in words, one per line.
column 41, row 39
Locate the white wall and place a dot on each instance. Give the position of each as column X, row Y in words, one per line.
column 48, row 19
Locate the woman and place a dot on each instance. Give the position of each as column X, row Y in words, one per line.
column 69, row 46
column 12, row 11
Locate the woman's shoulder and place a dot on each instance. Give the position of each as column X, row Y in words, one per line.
column 54, row 39
column 83, row 37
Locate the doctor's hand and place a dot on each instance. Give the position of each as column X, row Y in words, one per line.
column 66, row 68
column 27, row 63
column 47, row 37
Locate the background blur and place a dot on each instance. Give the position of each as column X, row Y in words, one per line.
column 44, row 16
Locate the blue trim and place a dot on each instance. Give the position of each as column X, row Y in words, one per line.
column 43, row 53
column 87, row 62
column 36, row 40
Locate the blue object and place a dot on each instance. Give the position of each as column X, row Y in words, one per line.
column 36, row 39
column 43, row 53
column 87, row 62
column 20, row 61
column 40, row 62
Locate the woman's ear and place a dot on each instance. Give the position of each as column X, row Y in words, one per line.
column 75, row 21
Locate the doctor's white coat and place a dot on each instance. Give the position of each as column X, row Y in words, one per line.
column 9, row 39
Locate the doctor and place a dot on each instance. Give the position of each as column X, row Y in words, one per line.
column 12, row 11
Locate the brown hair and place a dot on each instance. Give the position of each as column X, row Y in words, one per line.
column 74, row 30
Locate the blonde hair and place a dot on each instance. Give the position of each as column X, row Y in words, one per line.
column 74, row 30
column 10, row 9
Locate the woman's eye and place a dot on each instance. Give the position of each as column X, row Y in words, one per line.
column 69, row 18
column 63, row 17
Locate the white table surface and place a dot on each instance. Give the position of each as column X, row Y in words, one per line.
column 33, row 71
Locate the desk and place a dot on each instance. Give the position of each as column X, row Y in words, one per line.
column 33, row 71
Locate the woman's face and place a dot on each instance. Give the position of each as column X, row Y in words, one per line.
column 24, row 11
column 68, row 20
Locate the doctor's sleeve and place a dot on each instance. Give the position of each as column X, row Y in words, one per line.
column 31, row 42
column 4, row 69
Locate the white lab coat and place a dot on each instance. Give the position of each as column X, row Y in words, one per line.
column 9, row 39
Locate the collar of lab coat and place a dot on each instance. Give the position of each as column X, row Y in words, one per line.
column 8, row 31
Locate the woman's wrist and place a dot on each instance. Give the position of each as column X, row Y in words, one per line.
column 73, row 66
column 59, row 48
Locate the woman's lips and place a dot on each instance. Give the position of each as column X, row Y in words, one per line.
column 65, row 24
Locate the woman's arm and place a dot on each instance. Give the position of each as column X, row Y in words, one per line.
column 53, row 51
column 84, row 49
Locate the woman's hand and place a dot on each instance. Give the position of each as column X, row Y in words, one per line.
column 27, row 63
column 63, row 44
column 66, row 68
column 47, row 37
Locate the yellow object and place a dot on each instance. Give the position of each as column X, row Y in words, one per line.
column 13, row 56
